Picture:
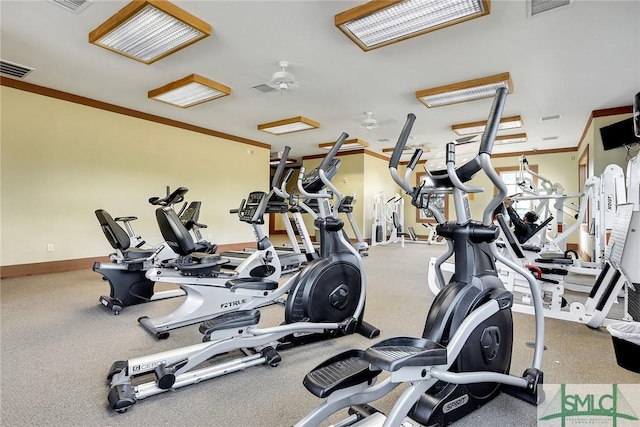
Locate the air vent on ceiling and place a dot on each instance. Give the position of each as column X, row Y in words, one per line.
column 384, row 140
column 263, row 88
column 75, row 6
column 549, row 138
column 547, row 118
column 14, row 70
column 536, row 7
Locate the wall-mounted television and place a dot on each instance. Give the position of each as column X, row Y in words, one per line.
column 618, row 134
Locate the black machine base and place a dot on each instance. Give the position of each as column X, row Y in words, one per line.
column 127, row 287
column 121, row 397
column 113, row 304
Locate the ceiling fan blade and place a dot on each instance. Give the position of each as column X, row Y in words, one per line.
column 467, row 139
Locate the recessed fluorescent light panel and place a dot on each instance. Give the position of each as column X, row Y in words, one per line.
column 349, row 144
column 511, row 139
column 189, row 91
column 379, row 23
column 469, row 90
column 478, row 127
column 149, row 30
column 294, row 124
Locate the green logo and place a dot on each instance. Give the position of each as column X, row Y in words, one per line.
column 588, row 407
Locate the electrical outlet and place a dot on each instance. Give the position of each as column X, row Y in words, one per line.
column 50, row 247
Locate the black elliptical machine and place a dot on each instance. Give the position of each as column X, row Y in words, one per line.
column 463, row 358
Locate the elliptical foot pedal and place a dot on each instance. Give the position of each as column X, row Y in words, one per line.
column 231, row 320
column 344, row 370
column 395, row 353
column 563, row 261
column 252, row 283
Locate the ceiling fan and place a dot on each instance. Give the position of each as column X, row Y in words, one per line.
column 369, row 122
column 283, row 80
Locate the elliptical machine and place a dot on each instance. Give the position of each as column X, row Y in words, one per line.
column 462, row 359
column 326, row 300
column 201, row 276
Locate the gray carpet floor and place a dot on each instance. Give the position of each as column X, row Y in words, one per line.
column 57, row 344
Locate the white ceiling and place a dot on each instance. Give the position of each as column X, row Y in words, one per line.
column 569, row 62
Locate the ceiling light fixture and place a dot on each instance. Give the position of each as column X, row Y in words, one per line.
column 349, row 144
column 149, row 30
column 478, row 127
column 294, row 124
column 511, row 139
column 189, row 91
column 409, row 149
column 379, row 23
column 469, row 90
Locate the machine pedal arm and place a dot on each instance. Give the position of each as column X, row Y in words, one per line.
column 166, row 374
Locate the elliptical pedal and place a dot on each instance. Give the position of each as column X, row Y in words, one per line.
column 344, row 370
column 230, row 320
column 395, row 353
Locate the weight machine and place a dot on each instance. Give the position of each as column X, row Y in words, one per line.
column 388, row 220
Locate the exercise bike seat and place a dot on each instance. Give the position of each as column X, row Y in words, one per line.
column 119, row 239
column 395, row 353
column 342, row 371
column 200, row 264
column 125, row 218
column 252, row 283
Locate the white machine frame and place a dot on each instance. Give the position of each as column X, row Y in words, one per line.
column 383, row 220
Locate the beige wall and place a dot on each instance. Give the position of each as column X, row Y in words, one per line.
column 61, row 161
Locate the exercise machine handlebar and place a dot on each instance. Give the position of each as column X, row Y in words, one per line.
column 334, row 150
column 491, row 130
column 339, row 197
column 293, row 199
column 415, row 158
column 453, row 175
column 280, row 168
column 402, row 141
column 171, row 198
